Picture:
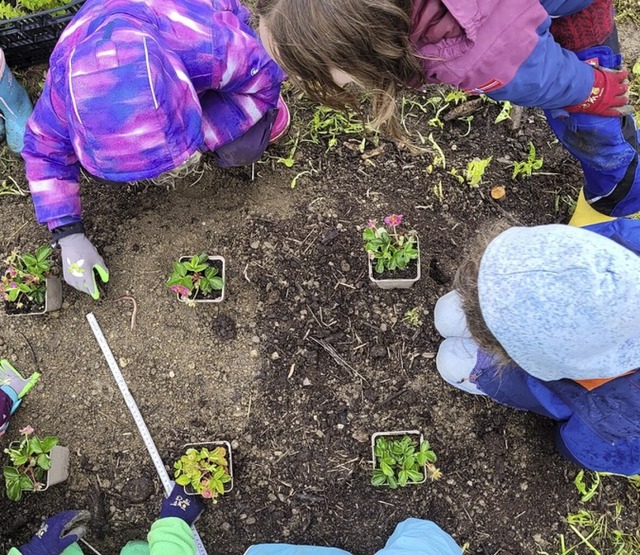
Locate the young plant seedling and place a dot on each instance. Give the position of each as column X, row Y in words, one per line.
column 196, row 278
column 526, row 167
column 475, row 171
column 204, row 472
column 30, row 461
column 400, row 461
column 24, row 283
column 387, row 247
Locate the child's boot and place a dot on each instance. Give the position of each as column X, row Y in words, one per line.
column 16, row 109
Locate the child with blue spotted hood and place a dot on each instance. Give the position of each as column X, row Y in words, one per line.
column 545, row 319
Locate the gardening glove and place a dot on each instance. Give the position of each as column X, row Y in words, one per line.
column 79, row 260
column 180, row 505
column 57, row 533
column 15, row 387
column 609, row 95
column 10, row 377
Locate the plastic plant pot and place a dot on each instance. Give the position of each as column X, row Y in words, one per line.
column 396, row 283
column 52, row 299
column 219, row 299
column 419, row 437
column 59, row 470
column 212, row 445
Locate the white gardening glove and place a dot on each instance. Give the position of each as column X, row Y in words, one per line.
column 79, row 260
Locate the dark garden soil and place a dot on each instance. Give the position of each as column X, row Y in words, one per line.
column 304, row 359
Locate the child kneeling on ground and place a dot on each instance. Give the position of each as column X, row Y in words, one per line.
column 545, row 319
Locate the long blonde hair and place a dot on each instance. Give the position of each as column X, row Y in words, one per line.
column 367, row 39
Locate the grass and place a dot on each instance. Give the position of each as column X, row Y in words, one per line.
column 597, row 533
column 627, row 10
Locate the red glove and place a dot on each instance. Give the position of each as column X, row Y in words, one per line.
column 609, row 95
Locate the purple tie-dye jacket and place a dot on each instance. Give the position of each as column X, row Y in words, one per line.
column 222, row 57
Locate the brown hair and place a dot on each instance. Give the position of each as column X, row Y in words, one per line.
column 368, row 39
column 466, row 284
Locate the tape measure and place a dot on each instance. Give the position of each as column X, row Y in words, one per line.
column 137, row 417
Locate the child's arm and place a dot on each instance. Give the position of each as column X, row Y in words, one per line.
column 51, row 163
column 245, row 81
column 550, row 77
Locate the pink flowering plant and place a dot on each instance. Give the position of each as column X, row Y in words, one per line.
column 30, row 461
column 193, row 277
column 24, row 280
column 205, row 471
column 388, row 247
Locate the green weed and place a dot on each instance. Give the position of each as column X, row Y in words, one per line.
column 475, row 170
column 526, row 167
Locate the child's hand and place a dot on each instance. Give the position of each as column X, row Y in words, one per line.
column 609, row 95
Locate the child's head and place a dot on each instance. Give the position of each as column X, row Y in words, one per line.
column 323, row 43
column 562, row 302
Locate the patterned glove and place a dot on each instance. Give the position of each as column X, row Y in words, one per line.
column 180, row 505
column 10, row 377
column 79, row 260
column 57, row 533
column 609, row 95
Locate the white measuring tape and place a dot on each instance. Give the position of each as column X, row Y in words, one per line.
column 137, row 417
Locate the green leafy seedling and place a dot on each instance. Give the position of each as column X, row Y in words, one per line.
column 204, row 470
column 526, row 167
column 402, row 461
column 475, row 170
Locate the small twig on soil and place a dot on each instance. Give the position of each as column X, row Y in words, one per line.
column 135, row 308
column 392, row 397
column 245, row 273
column 249, row 407
column 35, row 358
column 334, row 354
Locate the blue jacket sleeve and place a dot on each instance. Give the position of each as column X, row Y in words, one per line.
column 560, row 8
column 420, row 537
column 286, row 549
column 551, row 77
column 623, row 231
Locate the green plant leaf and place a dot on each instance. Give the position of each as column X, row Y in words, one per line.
column 386, row 469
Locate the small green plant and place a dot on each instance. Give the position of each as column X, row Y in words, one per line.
column 388, row 248
column 587, row 491
column 25, row 7
column 30, row 462
column 475, row 170
column 9, row 186
column 193, row 277
column 412, row 317
column 329, row 124
column 204, row 470
column 526, row 167
column 402, row 461
column 505, row 113
column 24, row 281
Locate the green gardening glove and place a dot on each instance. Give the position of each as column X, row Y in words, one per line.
column 81, row 262
column 10, row 377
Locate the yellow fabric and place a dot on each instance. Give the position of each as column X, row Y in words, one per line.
column 585, row 215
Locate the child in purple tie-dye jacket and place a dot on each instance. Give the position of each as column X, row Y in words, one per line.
column 137, row 89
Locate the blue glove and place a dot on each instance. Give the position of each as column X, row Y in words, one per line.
column 180, row 505
column 57, row 533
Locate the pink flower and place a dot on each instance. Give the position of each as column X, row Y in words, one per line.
column 27, row 430
column 12, row 271
column 372, row 224
column 13, row 285
column 394, row 220
column 181, row 290
column 207, row 494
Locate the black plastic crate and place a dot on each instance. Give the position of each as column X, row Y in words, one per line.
column 30, row 39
